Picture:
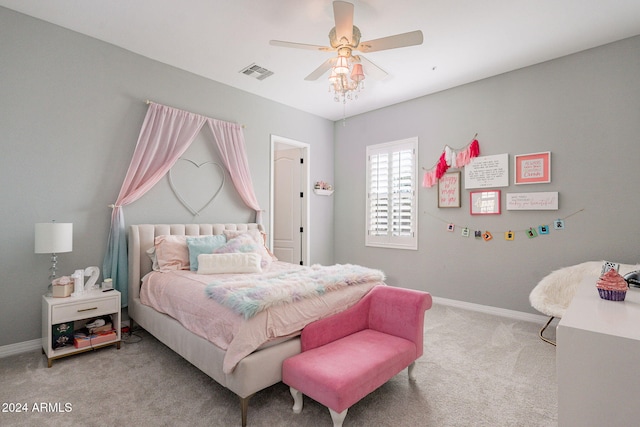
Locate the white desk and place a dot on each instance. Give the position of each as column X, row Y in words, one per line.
column 598, row 360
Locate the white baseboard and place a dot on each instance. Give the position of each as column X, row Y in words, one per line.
column 503, row 312
column 20, row 347
column 23, row 347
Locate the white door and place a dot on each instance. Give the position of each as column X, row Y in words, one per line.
column 288, row 200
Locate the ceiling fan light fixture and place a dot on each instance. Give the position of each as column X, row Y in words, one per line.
column 345, row 85
column 347, row 74
column 333, row 77
column 357, row 75
column 342, row 65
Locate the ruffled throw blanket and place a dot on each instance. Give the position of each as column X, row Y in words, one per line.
column 248, row 295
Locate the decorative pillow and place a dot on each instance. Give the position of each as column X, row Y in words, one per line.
column 229, row 263
column 202, row 245
column 257, row 235
column 172, row 252
column 244, row 243
column 151, row 253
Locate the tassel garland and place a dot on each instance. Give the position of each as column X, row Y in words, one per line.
column 451, row 158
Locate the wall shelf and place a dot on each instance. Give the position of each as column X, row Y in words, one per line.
column 321, row 192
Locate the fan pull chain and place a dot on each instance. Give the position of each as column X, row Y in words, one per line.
column 344, row 113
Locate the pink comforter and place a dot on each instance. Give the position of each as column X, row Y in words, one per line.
column 181, row 295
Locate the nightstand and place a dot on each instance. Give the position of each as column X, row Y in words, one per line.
column 70, row 310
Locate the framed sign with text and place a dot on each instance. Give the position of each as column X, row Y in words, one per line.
column 542, row 201
column 449, row 190
column 532, row 168
column 487, row 172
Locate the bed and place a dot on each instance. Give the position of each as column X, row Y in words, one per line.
column 243, row 368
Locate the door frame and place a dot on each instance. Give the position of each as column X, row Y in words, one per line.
column 276, row 142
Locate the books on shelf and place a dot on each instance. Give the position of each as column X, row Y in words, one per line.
column 62, row 335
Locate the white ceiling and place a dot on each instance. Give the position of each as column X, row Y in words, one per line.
column 464, row 40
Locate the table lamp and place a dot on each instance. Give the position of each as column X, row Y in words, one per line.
column 54, row 238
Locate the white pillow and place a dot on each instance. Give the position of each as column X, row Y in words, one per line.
column 235, row 262
column 151, row 252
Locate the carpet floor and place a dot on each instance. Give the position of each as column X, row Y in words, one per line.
column 477, row 370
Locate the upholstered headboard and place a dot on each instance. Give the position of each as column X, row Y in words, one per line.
column 142, row 237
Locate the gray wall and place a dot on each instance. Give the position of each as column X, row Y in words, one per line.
column 584, row 108
column 71, row 108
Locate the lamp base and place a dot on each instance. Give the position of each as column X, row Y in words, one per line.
column 52, row 276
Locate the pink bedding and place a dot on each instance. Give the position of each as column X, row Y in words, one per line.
column 181, row 295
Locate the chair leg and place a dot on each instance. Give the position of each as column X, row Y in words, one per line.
column 297, row 400
column 338, row 418
column 547, row 340
column 412, row 371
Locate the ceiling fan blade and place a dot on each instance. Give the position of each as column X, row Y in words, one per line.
column 300, row 45
column 371, row 69
column 343, row 15
column 399, row 40
column 318, row 72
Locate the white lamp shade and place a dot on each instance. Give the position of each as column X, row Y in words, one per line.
column 54, row 237
column 342, row 65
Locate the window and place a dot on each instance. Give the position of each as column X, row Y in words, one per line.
column 392, row 203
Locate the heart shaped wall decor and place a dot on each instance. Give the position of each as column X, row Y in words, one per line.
column 211, row 199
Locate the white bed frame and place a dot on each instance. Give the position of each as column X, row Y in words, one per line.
column 255, row 372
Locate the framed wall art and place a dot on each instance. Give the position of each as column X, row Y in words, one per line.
column 486, row 202
column 534, row 168
column 487, row 172
column 449, row 190
column 542, row 201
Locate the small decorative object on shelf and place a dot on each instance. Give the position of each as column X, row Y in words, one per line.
column 62, row 287
column 323, row 188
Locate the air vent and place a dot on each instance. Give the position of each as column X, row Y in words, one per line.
column 256, row 71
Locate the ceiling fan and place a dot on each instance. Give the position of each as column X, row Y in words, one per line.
column 344, row 39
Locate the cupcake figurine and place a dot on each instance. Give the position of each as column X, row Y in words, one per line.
column 612, row 286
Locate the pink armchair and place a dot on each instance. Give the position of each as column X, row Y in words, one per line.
column 348, row 355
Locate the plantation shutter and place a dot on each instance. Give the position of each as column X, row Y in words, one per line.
column 403, row 193
column 379, row 195
column 391, row 194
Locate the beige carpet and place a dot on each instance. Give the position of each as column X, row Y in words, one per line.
column 477, row 370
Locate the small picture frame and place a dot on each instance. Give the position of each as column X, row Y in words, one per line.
column 534, row 168
column 486, row 202
column 449, row 190
column 608, row 265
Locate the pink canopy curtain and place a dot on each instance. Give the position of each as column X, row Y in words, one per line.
column 230, row 142
column 165, row 135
